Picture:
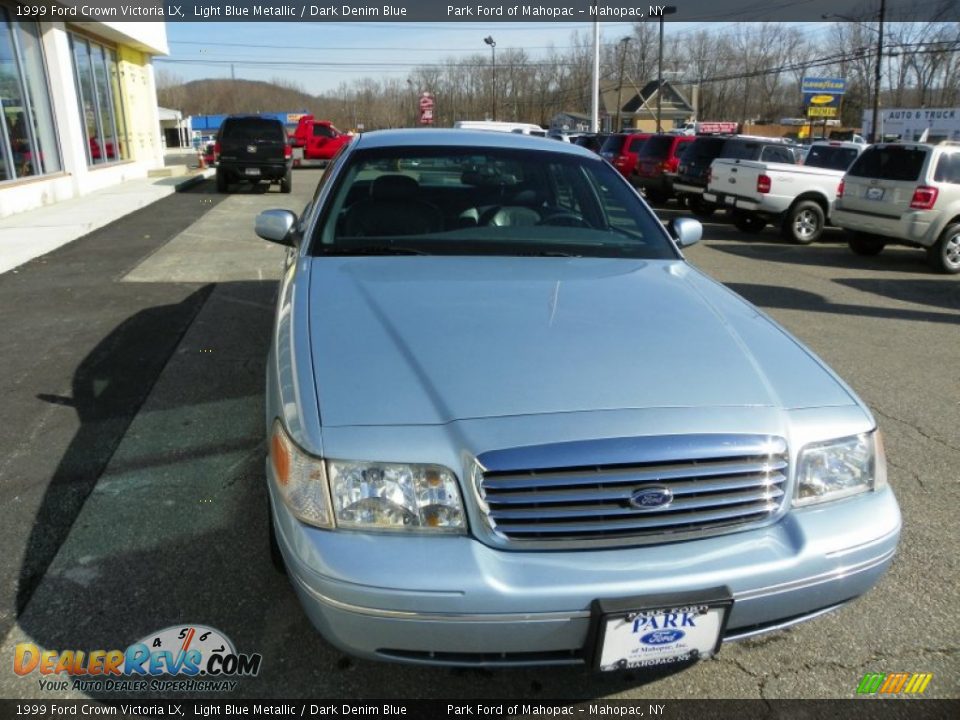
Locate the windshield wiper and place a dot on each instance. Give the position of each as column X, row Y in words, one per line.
column 373, row 250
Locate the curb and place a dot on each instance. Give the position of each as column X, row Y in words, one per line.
column 195, row 180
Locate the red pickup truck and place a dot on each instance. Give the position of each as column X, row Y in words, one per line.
column 315, row 142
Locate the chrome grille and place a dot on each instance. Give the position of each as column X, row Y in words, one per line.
column 717, row 483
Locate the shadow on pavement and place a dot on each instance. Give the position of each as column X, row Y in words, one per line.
column 892, row 259
column 772, row 296
column 108, row 388
column 943, row 293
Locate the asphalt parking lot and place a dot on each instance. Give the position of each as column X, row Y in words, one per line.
column 131, row 459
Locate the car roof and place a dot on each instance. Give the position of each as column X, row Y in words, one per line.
column 462, row 138
column 837, row 143
column 251, row 116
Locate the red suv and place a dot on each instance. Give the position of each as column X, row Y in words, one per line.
column 657, row 164
column 621, row 150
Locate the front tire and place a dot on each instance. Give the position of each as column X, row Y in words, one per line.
column 804, row 222
column 866, row 245
column 945, row 254
column 748, row 222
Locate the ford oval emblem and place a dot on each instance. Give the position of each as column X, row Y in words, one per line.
column 651, row 498
column 662, row 637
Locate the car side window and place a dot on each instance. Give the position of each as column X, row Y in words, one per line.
column 948, row 168
column 636, row 144
column 772, row 153
column 564, row 196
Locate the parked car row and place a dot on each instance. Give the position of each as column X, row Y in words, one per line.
column 903, row 193
column 797, row 197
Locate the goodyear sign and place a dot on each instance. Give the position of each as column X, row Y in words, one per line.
column 822, row 96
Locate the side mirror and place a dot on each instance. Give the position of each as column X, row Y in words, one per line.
column 686, row 231
column 276, row 226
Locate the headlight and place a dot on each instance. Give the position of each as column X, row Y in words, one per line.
column 365, row 495
column 301, row 480
column 393, row 496
column 840, row 468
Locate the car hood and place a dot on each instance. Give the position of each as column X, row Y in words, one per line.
column 428, row 340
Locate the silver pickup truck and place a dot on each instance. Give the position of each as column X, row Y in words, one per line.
column 797, row 197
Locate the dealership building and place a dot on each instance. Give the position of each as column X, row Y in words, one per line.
column 79, row 107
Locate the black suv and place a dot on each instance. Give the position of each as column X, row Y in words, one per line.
column 692, row 178
column 253, row 149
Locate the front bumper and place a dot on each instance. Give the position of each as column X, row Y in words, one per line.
column 455, row 600
column 244, row 170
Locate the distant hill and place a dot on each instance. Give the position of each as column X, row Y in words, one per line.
column 213, row 97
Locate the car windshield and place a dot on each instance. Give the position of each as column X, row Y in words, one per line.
column 830, row 157
column 445, row 201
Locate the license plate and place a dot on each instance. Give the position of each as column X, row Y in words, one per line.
column 730, row 200
column 660, row 635
column 252, row 171
column 874, row 193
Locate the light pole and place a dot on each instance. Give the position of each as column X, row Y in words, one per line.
column 493, row 54
column 623, row 56
column 668, row 10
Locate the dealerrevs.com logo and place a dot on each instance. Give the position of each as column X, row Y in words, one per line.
column 180, row 658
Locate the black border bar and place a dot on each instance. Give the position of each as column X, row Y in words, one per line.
column 487, row 11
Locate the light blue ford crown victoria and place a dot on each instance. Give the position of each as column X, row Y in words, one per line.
column 509, row 424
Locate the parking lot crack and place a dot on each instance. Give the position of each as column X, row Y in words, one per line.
column 915, row 428
column 912, row 473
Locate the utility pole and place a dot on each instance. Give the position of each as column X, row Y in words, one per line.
column 623, row 57
column 875, row 135
column 668, row 10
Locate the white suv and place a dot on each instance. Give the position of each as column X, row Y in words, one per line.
column 906, row 193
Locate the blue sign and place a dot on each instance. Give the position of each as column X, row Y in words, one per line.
column 823, row 86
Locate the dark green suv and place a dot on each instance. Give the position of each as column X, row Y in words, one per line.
column 254, row 149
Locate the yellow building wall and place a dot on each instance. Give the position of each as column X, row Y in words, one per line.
column 138, row 102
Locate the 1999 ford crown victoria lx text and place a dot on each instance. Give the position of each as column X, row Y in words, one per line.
column 508, row 423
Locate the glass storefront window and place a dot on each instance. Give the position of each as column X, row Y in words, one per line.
column 98, row 93
column 28, row 138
